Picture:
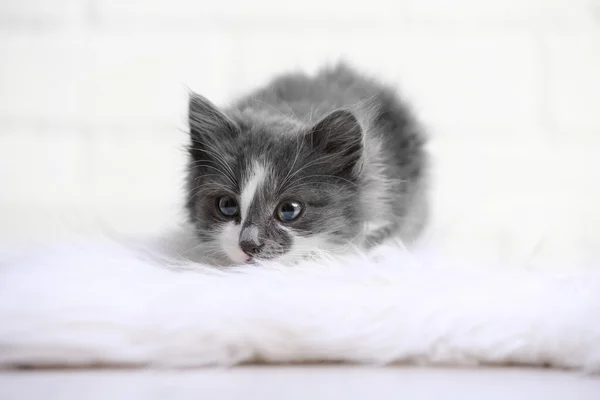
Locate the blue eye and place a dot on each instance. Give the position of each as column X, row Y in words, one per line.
column 228, row 206
column 288, row 211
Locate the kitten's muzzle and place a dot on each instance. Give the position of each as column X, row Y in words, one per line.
column 251, row 247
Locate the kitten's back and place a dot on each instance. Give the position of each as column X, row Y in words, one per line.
column 308, row 98
column 395, row 159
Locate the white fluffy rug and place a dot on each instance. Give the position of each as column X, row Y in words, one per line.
column 110, row 304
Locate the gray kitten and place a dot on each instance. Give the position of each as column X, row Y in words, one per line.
column 308, row 164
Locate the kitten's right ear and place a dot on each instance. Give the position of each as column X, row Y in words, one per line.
column 207, row 122
column 339, row 135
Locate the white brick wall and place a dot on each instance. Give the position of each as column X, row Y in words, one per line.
column 92, row 97
column 32, row 14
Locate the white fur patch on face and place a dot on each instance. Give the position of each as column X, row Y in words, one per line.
column 229, row 241
column 257, row 176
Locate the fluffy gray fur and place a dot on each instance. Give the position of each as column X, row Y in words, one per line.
column 341, row 145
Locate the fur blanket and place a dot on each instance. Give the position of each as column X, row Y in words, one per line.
column 112, row 304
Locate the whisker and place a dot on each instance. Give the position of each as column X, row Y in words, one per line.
column 218, row 156
column 285, row 103
column 218, row 170
column 298, row 147
column 316, row 161
column 328, row 176
column 299, row 185
column 269, row 105
column 220, row 162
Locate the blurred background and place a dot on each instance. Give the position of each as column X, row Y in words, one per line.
column 93, row 100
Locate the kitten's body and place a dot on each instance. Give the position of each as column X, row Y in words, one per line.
column 358, row 172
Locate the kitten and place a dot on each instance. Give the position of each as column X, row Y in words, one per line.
column 306, row 165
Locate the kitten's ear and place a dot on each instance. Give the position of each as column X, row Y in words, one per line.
column 207, row 122
column 340, row 136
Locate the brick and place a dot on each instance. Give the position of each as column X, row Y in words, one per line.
column 463, row 81
column 41, row 13
column 143, row 80
column 41, row 167
column 46, row 223
column 573, row 83
column 133, row 169
column 511, row 203
column 60, row 183
column 37, row 77
column 110, row 80
column 132, row 80
column 202, row 13
column 530, row 13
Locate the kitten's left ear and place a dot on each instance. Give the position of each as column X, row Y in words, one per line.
column 340, row 136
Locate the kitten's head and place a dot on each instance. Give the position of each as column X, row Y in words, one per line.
column 270, row 187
